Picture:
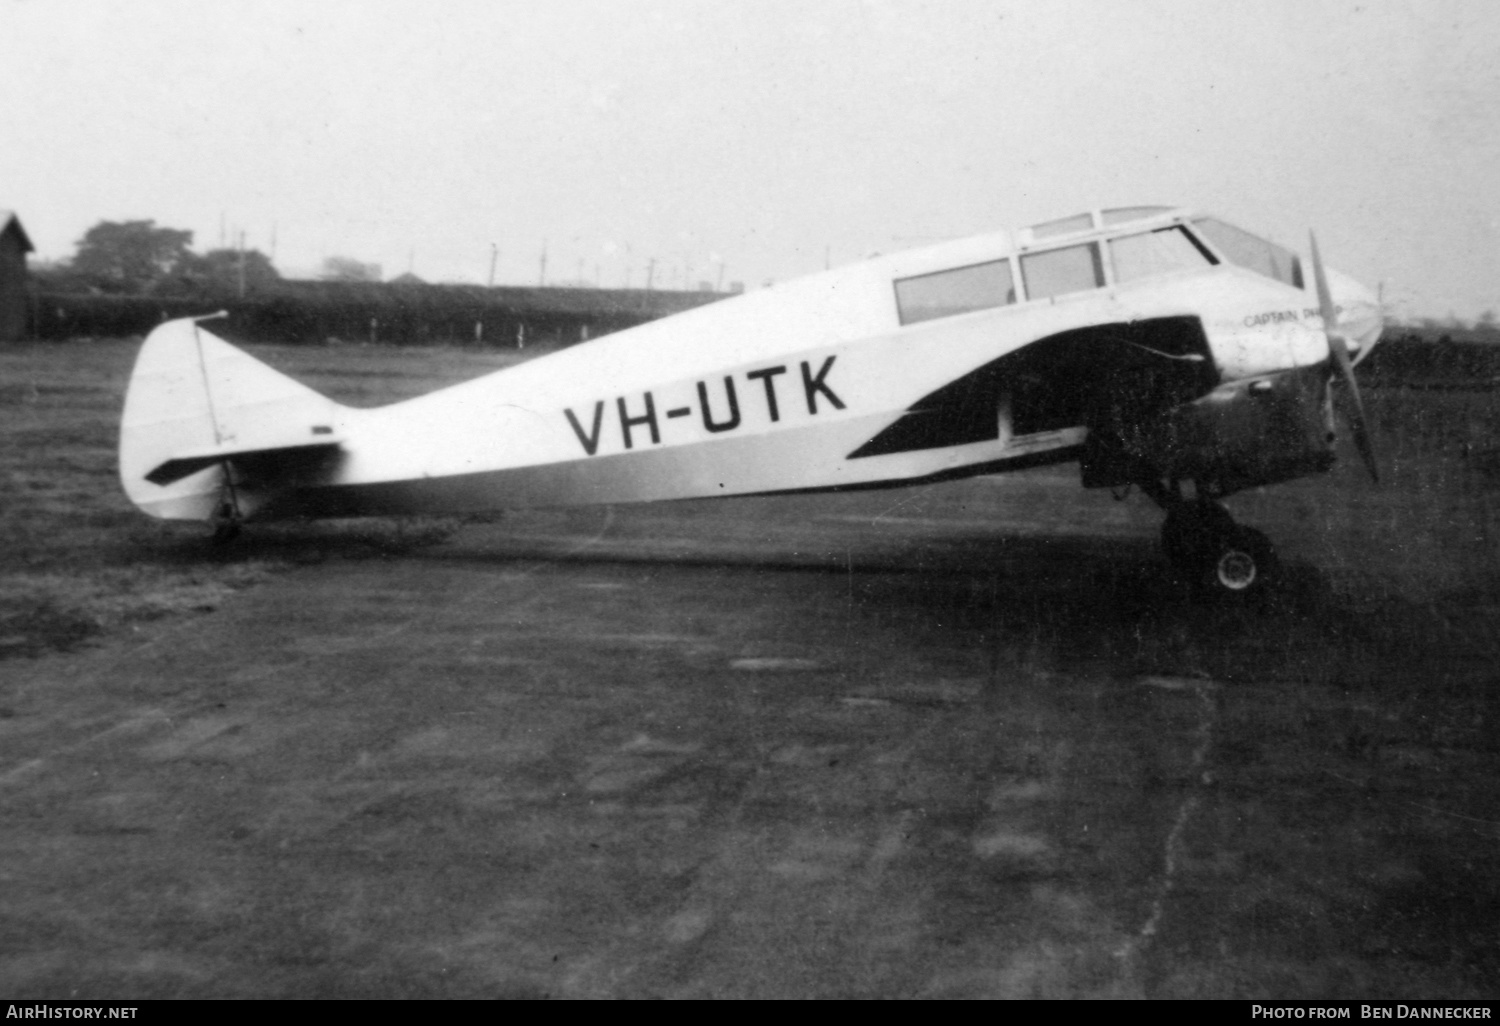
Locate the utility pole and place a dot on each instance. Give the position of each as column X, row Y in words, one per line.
column 543, row 279
column 494, row 256
column 242, row 265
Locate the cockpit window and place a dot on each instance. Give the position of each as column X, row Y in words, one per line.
column 956, row 291
column 1152, row 253
column 1251, row 251
column 1055, row 271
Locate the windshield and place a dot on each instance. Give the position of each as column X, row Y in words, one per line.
column 1251, row 251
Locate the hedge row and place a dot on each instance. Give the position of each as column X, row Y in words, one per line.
column 1430, row 358
column 316, row 313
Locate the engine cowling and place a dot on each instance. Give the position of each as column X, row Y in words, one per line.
column 1242, row 434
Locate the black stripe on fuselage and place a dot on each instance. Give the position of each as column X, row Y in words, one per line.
column 1056, row 381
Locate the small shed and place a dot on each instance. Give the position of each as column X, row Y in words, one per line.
column 14, row 302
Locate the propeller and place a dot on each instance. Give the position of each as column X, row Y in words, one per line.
column 1338, row 354
column 1368, row 347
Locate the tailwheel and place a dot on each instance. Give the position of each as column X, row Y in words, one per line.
column 226, row 518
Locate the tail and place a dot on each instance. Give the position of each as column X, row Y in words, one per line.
column 208, row 430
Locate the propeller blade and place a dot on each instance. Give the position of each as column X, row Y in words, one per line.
column 1325, row 298
column 1369, row 346
column 1357, row 419
column 1338, row 352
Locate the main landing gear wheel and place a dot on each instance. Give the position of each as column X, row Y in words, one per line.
column 1228, row 561
column 1242, row 564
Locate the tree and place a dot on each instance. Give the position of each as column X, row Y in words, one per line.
column 132, row 256
column 57, row 276
column 219, row 271
column 342, row 268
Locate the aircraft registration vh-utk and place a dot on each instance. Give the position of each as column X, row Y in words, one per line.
column 1154, row 346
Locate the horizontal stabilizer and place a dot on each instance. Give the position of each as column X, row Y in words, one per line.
column 179, row 467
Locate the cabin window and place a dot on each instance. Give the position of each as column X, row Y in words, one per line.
column 1071, row 269
column 1063, row 226
column 1152, row 253
column 960, row 290
column 1252, row 252
column 1124, row 215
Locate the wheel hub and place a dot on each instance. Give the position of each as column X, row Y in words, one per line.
column 1236, row 570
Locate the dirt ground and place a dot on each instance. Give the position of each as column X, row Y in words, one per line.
column 969, row 740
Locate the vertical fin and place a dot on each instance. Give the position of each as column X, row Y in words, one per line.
column 192, row 395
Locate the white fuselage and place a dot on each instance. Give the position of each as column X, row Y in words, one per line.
column 766, row 392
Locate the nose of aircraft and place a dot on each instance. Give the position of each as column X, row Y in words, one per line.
column 1361, row 318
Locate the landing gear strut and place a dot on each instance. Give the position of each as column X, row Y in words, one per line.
column 1203, row 542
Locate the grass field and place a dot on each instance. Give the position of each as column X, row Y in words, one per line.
column 80, row 562
column 968, row 739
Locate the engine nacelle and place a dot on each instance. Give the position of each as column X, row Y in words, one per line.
column 1243, row 434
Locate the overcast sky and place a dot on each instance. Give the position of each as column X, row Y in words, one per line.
column 766, row 135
